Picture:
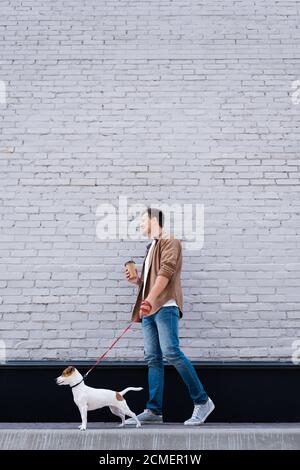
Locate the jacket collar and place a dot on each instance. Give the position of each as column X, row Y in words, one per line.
column 162, row 234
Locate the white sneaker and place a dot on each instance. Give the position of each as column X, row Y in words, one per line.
column 146, row 417
column 200, row 413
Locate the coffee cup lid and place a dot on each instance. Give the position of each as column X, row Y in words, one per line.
column 130, row 261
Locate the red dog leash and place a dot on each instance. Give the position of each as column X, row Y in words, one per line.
column 110, row 347
column 145, row 308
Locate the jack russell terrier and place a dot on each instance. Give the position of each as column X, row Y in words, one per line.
column 88, row 398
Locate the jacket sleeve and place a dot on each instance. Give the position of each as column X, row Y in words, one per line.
column 170, row 250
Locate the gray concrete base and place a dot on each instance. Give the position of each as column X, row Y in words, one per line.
column 108, row 436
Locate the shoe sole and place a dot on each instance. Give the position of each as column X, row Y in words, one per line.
column 146, row 422
column 201, row 422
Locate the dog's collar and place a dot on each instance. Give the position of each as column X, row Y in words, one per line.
column 72, row 386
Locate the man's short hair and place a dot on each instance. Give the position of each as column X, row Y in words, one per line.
column 157, row 213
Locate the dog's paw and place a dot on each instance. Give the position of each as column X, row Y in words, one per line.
column 138, row 425
column 82, row 427
column 122, row 425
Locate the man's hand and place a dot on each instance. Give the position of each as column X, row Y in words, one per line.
column 132, row 280
column 159, row 285
column 145, row 308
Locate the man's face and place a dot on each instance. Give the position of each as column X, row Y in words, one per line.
column 145, row 225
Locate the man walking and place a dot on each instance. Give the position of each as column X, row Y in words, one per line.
column 159, row 307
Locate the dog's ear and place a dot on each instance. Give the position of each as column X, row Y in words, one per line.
column 68, row 371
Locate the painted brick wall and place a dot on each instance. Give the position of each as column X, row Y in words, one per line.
column 160, row 101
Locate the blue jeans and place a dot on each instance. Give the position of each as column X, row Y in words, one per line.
column 161, row 341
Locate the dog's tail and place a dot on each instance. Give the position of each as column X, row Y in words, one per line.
column 128, row 389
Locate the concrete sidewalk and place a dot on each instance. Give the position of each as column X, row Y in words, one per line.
column 173, row 436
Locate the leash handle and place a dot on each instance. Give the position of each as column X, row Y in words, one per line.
column 110, row 347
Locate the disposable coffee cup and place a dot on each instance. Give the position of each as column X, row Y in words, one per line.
column 130, row 265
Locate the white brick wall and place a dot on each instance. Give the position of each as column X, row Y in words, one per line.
column 164, row 101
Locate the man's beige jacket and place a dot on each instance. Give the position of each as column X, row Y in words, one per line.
column 165, row 260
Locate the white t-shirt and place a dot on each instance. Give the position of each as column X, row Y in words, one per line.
column 169, row 303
